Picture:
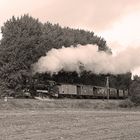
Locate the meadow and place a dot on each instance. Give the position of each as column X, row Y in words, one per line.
column 29, row 119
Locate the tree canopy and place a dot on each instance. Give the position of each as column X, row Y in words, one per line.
column 21, row 39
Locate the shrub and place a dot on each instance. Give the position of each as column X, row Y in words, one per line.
column 135, row 92
column 126, row 104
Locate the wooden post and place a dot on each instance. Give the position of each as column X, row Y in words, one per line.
column 107, row 87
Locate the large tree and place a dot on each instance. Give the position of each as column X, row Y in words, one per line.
column 20, row 48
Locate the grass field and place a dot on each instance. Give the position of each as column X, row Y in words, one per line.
column 67, row 122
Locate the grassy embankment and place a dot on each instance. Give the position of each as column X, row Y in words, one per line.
column 64, row 103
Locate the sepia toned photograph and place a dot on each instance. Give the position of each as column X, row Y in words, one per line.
column 70, row 70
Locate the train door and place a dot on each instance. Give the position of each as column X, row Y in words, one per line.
column 94, row 91
column 78, row 90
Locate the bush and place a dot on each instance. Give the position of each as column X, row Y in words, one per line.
column 135, row 99
column 135, row 92
column 127, row 104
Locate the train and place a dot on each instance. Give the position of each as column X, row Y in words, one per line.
column 53, row 89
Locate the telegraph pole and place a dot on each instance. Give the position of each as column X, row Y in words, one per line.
column 107, row 87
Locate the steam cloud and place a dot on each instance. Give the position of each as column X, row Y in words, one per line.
column 88, row 58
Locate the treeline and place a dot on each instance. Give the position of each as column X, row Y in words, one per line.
column 25, row 40
column 121, row 81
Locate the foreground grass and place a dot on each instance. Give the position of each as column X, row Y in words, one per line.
column 69, row 124
column 29, row 119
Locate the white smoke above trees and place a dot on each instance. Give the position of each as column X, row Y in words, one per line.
column 87, row 58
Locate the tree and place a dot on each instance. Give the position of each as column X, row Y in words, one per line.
column 20, row 48
column 66, row 36
column 121, row 81
column 136, row 78
column 135, row 91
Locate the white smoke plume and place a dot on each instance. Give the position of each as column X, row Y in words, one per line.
column 88, row 58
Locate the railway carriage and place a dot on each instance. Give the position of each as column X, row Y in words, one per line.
column 67, row 90
column 88, row 91
column 113, row 93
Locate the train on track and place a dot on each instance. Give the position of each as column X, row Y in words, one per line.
column 62, row 90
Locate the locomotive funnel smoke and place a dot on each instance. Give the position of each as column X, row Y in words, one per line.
column 88, row 58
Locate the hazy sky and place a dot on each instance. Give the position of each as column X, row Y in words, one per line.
column 118, row 21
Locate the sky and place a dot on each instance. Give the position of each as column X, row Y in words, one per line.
column 118, row 21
